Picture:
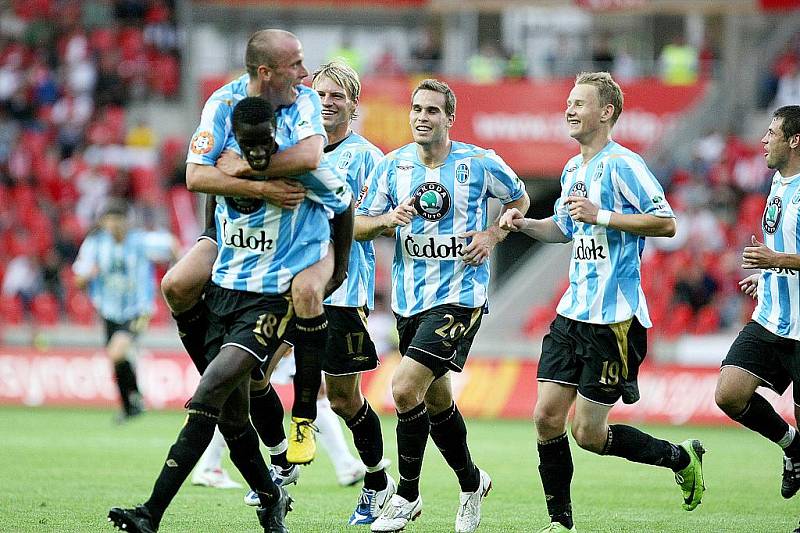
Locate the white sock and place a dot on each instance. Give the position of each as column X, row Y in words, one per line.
column 212, row 457
column 331, row 437
column 788, row 438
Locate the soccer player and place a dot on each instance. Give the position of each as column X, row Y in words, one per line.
column 274, row 61
column 114, row 264
column 433, row 194
column 767, row 350
column 261, row 248
column 609, row 203
column 350, row 350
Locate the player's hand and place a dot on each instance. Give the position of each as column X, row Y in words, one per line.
column 581, row 209
column 479, row 248
column 232, row 164
column 759, row 255
column 512, row 220
column 402, row 214
column 283, row 192
column 749, row 285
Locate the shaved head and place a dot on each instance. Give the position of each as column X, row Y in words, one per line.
column 268, row 47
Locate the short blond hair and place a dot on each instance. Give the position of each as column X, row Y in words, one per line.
column 342, row 75
column 608, row 91
column 440, row 87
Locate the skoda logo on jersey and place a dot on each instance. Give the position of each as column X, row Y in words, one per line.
column 772, row 215
column 344, row 160
column 462, row 173
column 578, row 189
column 432, row 201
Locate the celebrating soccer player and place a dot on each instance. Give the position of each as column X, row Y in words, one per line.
column 767, row 350
column 433, row 194
column 609, row 203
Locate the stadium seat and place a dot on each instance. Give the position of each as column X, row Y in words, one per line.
column 538, row 319
column 44, row 309
column 678, row 321
column 707, row 321
column 13, row 310
column 80, row 309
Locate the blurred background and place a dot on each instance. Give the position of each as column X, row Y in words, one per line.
column 99, row 98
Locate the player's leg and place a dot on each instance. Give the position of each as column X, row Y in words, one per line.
column 558, row 376
column 209, row 471
column 349, row 470
column 118, row 348
column 182, row 287
column 312, row 331
column 759, row 358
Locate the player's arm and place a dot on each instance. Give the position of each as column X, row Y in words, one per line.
column 300, row 158
column 759, row 255
column 584, row 210
column 483, row 242
column 85, row 266
column 544, row 230
column 286, row 194
column 368, row 227
column 342, row 238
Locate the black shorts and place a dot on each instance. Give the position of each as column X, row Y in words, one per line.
column 440, row 337
column 349, row 348
column 255, row 323
column 773, row 359
column 601, row 360
column 133, row 327
column 210, row 234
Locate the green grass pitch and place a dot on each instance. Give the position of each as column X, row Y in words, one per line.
column 62, row 469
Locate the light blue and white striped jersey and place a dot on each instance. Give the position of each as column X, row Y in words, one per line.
column 356, row 157
column 779, row 289
column 124, row 287
column 605, row 269
column 214, row 134
column 450, row 200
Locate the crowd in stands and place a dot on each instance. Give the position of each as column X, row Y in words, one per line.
column 68, row 71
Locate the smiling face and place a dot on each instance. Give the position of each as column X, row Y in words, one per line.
column 279, row 81
column 429, row 123
column 585, row 116
column 337, row 106
column 257, row 142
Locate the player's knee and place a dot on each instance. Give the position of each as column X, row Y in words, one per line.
column 729, row 400
column 589, row 437
column 343, row 404
column 549, row 423
column 307, row 299
column 176, row 293
column 406, row 395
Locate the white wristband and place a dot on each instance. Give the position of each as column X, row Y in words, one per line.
column 603, row 217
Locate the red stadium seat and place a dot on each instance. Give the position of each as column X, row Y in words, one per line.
column 13, row 311
column 678, row 321
column 80, row 309
column 707, row 321
column 538, row 319
column 44, row 309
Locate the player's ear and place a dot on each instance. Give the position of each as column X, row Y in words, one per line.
column 794, row 141
column 451, row 120
column 608, row 112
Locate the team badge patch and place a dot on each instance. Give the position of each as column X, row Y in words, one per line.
column 202, row 142
column 578, row 189
column 462, row 173
column 772, row 215
column 796, row 198
column 344, row 160
column 432, row 201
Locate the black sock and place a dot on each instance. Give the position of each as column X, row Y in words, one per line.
column 634, row 445
column 760, row 416
column 312, row 334
column 245, row 455
column 182, row 457
column 449, row 433
column 266, row 412
column 555, row 469
column 368, row 439
column 192, row 327
column 413, row 428
column 126, row 382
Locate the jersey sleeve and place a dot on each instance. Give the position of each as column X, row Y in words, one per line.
column 213, row 134
column 502, row 182
column 360, row 173
column 145, row 283
column 560, row 212
column 327, row 187
column 639, row 187
column 376, row 198
column 309, row 116
column 86, row 261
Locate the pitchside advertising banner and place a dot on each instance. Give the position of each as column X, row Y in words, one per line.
column 522, row 121
column 489, row 388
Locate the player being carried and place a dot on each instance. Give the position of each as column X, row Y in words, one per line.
column 609, row 203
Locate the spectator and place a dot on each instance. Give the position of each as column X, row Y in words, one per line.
column 602, row 55
column 694, row 286
column 487, row 65
column 678, row 63
column 426, row 56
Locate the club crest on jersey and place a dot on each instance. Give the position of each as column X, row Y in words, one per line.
column 344, row 160
column 462, row 173
column 432, row 201
column 578, row 189
column 202, row 142
column 598, row 173
column 772, row 215
column 796, row 198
